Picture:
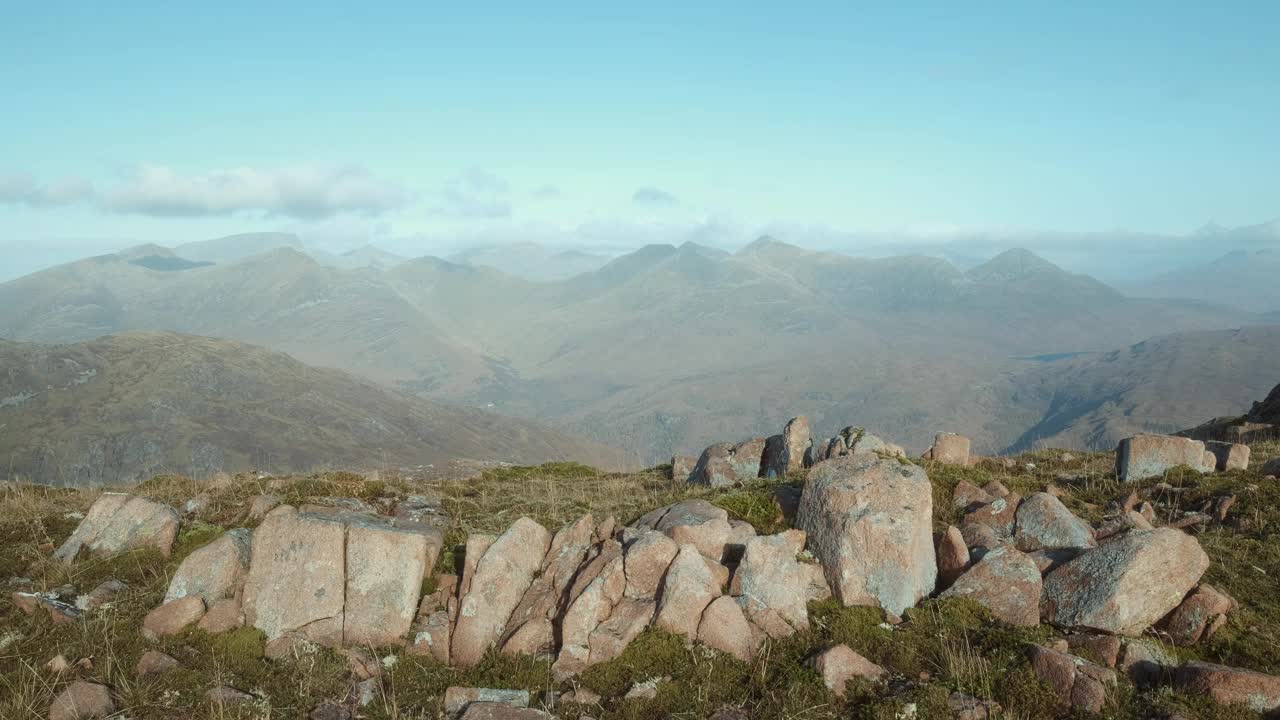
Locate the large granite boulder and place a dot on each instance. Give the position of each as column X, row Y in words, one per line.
column 1006, row 582
column 215, row 571
column 1042, row 522
column 117, row 522
column 1147, row 456
column 1126, row 584
column 502, row 576
column 869, row 522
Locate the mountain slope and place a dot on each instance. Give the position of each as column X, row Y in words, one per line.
column 128, row 406
column 1245, row 278
column 1160, row 385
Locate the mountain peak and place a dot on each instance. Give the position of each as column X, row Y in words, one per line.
column 1014, row 263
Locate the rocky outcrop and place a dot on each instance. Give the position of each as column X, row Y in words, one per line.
column 1199, row 615
column 1147, row 456
column 1124, row 585
column 502, row 575
column 868, row 522
column 118, row 522
column 773, row 587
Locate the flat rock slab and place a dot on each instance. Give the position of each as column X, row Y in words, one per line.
column 502, row 576
column 1147, row 456
column 297, row 577
column 869, row 522
column 385, row 568
column 1126, row 584
column 117, row 522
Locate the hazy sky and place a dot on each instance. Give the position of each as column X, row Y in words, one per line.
column 603, row 122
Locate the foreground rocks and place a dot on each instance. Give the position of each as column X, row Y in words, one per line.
column 1125, row 585
column 1230, row 686
column 83, row 701
column 1147, row 456
column 118, row 522
column 868, row 522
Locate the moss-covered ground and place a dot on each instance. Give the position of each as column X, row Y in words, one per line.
column 940, row 647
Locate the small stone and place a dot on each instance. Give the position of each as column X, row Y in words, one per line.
column 1196, row 614
column 83, row 701
column 102, row 595
column 57, row 665
column 227, row 696
column 840, row 664
column 173, row 617
column 154, row 662
column 953, row 556
column 457, row 699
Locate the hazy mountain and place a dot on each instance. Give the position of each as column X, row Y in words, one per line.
column 365, row 256
column 1248, row 279
column 667, row 348
column 128, row 406
column 1164, row 384
column 236, row 247
column 531, row 261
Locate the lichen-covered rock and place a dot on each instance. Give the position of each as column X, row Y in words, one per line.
column 646, row 560
column 745, row 459
column 949, row 449
column 547, row 597
column 215, row 571
column 503, row 574
column 1125, row 585
column 869, row 522
column 1006, row 582
column 840, row 664
column 432, row 636
column 715, row 467
column 1230, row 686
column 628, row 619
column 786, row 452
column 1000, row 515
column 457, row 699
column 774, row 588
column 687, row 589
column 297, row 577
column 695, row 522
column 967, row 496
column 1146, row 663
column 384, row 571
column 1147, row 456
column 605, row 584
column 223, row 616
column 1105, row 648
column 118, row 522
column 1042, row 522
column 1198, row 616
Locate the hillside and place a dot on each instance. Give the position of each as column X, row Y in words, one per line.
column 128, row 406
column 1154, row 386
column 1244, row 278
column 660, row 350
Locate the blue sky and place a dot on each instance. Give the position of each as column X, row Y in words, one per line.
column 431, row 123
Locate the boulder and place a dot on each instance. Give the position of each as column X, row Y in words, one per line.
column 1198, row 616
column 949, row 449
column 1229, row 456
column 215, row 571
column 773, row 588
column 724, row 627
column 796, row 442
column 695, row 522
column 1129, row 520
column 1042, row 522
column 1146, row 663
column 1006, row 582
column 1000, row 515
column 154, row 662
column 715, row 467
column 773, row 463
column 646, row 560
column 953, row 556
column 967, row 497
column 605, row 585
column 223, row 616
column 118, row 522
column 1076, row 682
column 82, row 701
column 840, row 664
column 1104, row 648
column 1050, row 560
column 868, row 521
column 1230, row 686
column 979, row 538
column 745, row 459
column 297, row 577
column 682, row 467
column 385, row 566
column 1126, row 584
column 173, row 617
column 547, row 597
column 503, row 574
column 628, row 619
column 687, row 589
column 1147, row 456
column 260, row 505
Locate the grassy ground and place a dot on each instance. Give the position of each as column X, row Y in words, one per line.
column 941, row 646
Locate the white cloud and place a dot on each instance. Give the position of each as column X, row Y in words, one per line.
column 25, row 190
column 654, row 197
column 305, row 192
column 475, row 194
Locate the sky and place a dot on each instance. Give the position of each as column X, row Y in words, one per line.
column 425, row 125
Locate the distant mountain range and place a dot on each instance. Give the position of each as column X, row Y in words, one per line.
column 667, row 348
column 128, row 406
column 1248, row 279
